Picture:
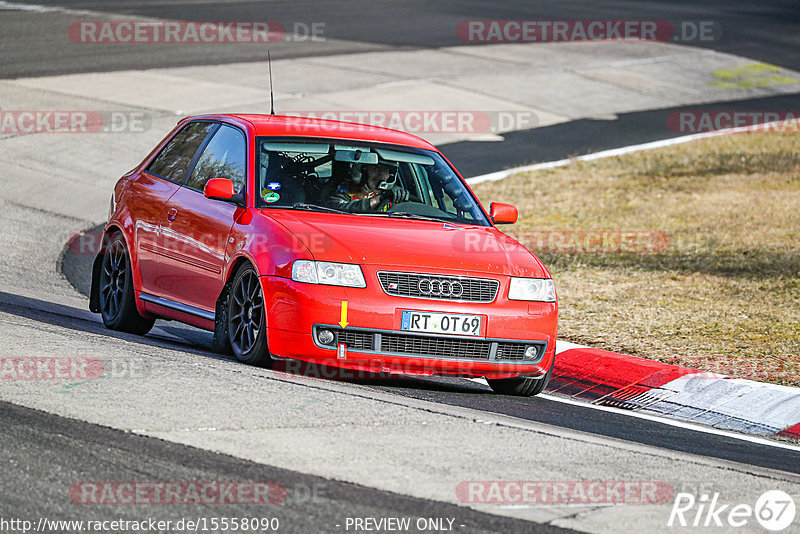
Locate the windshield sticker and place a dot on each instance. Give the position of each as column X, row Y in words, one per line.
column 270, row 196
column 274, row 186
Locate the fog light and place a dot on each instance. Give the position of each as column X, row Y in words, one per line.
column 531, row 353
column 325, row 337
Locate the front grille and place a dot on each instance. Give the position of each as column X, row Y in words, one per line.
column 455, row 287
column 355, row 340
column 511, row 351
column 432, row 346
column 435, row 347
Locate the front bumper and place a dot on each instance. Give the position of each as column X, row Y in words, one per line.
column 372, row 340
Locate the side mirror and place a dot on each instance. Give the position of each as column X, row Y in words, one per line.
column 502, row 213
column 222, row 189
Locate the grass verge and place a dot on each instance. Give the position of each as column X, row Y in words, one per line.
column 688, row 254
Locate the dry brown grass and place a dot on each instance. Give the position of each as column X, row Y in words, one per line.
column 724, row 296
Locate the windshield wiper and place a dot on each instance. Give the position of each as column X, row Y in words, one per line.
column 407, row 215
column 316, row 207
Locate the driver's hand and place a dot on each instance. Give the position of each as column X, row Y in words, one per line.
column 396, row 195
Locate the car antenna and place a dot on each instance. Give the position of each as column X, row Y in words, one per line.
column 271, row 97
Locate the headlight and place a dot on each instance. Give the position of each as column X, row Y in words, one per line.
column 332, row 274
column 538, row 289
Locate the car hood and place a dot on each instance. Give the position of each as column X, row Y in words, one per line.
column 409, row 244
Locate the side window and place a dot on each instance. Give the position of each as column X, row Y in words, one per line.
column 224, row 157
column 175, row 158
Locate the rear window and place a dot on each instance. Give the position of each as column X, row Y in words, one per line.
column 173, row 160
column 223, row 157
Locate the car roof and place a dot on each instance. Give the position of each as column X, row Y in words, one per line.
column 281, row 125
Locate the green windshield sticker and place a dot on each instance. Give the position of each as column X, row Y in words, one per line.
column 270, row 196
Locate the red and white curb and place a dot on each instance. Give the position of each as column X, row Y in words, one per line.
column 649, row 387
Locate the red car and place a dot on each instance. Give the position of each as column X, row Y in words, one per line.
column 332, row 243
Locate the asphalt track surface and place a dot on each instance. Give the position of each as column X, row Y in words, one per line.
column 38, row 445
column 614, row 425
column 473, row 395
column 766, row 31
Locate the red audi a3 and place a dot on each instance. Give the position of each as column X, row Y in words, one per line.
column 333, row 243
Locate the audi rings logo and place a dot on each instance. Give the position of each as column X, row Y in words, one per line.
column 433, row 287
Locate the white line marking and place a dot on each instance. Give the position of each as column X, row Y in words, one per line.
column 675, row 423
column 35, row 8
column 562, row 346
column 499, row 175
column 26, row 7
column 479, row 380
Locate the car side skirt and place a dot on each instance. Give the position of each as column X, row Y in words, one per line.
column 178, row 311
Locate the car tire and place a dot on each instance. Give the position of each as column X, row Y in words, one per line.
column 521, row 386
column 117, row 298
column 246, row 318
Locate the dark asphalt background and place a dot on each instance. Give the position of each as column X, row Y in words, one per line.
column 43, row 454
column 37, row 45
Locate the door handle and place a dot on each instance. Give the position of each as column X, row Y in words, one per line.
column 171, row 214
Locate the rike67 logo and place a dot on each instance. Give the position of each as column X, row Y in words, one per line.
column 774, row 510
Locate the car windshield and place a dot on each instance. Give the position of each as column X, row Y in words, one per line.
column 348, row 177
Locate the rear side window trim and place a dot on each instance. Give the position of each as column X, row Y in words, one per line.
column 195, row 157
column 202, row 148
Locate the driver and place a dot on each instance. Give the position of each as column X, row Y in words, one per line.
column 376, row 190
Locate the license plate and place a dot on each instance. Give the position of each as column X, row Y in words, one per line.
column 441, row 323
